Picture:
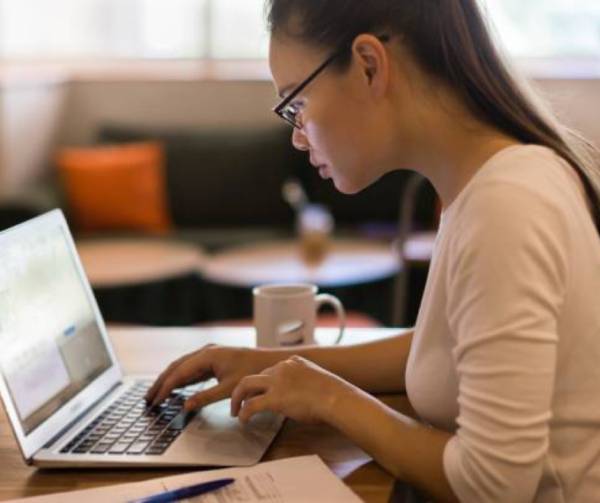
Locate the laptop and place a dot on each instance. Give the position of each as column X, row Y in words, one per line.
column 66, row 398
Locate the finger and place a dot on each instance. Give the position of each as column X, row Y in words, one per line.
column 150, row 394
column 247, row 387
column 190, row 370
column 205, row 397
column 253, row 406
column 176, row 363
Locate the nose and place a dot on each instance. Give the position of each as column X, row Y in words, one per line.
column 299, row 140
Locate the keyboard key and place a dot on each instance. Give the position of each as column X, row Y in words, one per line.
column 82, row 449
column 128, row 425
column 119, row 448
column 154, row 451
column 170, row 434
column 138, row 447
column 101, row 448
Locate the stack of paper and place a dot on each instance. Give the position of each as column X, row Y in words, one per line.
column 294, row 480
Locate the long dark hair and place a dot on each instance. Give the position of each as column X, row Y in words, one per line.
column 450, row 41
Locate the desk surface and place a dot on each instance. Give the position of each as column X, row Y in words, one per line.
column 348, row 262
column 136, row 355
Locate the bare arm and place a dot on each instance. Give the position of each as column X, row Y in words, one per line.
column 409, row 450
column 300, row 389
column 376, row 367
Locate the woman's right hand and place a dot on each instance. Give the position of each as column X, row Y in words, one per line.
column 228, row 365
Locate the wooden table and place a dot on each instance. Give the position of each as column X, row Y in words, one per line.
column 348, row 262
column 149, row 350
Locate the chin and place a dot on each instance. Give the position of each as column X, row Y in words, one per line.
column 348, row 188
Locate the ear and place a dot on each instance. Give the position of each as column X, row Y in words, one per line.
column 373, row 61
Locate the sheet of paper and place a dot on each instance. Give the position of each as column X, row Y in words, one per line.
column 293, row 480
column 119, row 493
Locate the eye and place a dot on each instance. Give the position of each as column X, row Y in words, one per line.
column 293, row 109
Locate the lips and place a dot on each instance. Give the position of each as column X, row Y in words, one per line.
column 323, row 173
column 318, row 165
column 321, row 167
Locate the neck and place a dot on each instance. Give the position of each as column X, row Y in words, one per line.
column 448, row 145
column 460, row 160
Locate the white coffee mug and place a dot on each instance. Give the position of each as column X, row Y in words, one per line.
column 286, row 314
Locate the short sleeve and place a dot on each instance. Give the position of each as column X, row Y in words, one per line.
column 506, row 279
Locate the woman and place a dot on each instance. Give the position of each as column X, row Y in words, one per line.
column 502, row 364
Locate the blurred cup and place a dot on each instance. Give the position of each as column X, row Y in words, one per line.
column 314, row 227
column 286, row 315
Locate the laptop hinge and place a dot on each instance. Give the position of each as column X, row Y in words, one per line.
column 80, row 416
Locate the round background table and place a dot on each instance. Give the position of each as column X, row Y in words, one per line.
column 359, row 272
column 146, row 281
column 119, row 262
column 348, row 262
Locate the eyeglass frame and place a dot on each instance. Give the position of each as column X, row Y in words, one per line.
column 279, row 109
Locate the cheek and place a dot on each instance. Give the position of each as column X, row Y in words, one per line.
column 330, row 134
column 335, row 135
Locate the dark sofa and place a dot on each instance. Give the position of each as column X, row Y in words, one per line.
column 222, row 182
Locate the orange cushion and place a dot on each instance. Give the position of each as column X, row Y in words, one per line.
column 116, row 187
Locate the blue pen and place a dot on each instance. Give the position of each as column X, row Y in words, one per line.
column 186, row 492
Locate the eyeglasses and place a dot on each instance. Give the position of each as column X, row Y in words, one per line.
column 287, row 110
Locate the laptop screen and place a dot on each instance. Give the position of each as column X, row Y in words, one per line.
column 50, row 344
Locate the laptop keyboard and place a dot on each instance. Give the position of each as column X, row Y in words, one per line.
column 129, row 426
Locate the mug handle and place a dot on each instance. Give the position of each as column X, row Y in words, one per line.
column 334, row 302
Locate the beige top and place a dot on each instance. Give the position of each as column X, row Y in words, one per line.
column 506, row 352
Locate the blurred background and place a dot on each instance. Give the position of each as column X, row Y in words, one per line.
column 149, row 123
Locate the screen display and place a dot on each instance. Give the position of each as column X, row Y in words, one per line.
column 50, row 344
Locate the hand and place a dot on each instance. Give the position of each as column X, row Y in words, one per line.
column 296, row 388
column 227, row 364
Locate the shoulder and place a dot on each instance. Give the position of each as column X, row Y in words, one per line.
column 515, row 215
column 520, row 188
column 510, row 231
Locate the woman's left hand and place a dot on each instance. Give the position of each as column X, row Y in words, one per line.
column 296, row 388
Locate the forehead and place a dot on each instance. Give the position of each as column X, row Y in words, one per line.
column 291, row 62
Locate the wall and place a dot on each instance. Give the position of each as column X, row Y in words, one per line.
column 31, row 112
column 169, row 104
column 577, row 102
